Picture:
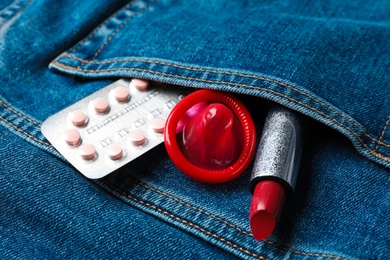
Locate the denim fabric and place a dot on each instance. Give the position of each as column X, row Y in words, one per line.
column 329, row 61
column 323, row 59
column 49, row 212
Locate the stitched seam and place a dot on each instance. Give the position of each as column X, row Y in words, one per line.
column 18, row 113
column 305, row 253
column 228, row 73
column 12, row 16
column 383, row 133
column 186, row 222
column 385, row 158
column 146, row 186
column 80, row 44
column 193, row 207
column 24, row 132
column 119, row 28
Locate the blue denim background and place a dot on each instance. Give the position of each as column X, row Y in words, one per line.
column 325, row 60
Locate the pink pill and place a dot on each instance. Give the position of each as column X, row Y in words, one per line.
column 100, row 105
column 140, row 84
column 78, row 117
column 137, row 138
column 157, row 125
column 72, row 137
column 121, row 94
column 114, row 151
column 87, row 152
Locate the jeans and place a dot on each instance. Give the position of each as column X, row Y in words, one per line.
column 326, row 60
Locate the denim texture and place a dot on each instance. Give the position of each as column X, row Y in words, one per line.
column 329, row 61
column 318, row 58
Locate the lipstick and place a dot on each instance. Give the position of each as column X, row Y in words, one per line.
column 275, row 169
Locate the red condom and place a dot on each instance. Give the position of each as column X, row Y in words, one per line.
column 210, row 136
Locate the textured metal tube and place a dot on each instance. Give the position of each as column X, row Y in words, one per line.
column 279, row 151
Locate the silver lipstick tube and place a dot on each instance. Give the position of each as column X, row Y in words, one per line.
column 279, row 152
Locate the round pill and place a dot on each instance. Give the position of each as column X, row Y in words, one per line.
column 100, row 105
column 87, row 151
column 121, row 94
column 114, row 151
column 157, row 125
column 72, row 137
column 137, row 138
column 140, row 84
column 78, row 117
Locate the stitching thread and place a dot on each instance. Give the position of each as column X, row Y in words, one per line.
column 373, row 152
column 186, row 222
column 193, row 207
column 146, row 186
column 227, row 73
column 12, row 16
column 120, row 28
column 95, row 31
column 383, row 133
column 18, row 113
column 24, row 132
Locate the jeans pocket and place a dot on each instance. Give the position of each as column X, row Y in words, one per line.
column 284, row 55
column 10, row 9
column 316, row 59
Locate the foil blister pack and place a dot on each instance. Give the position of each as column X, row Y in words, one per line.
column 113, row 126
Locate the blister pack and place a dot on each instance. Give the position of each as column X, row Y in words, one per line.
column 112, row 126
